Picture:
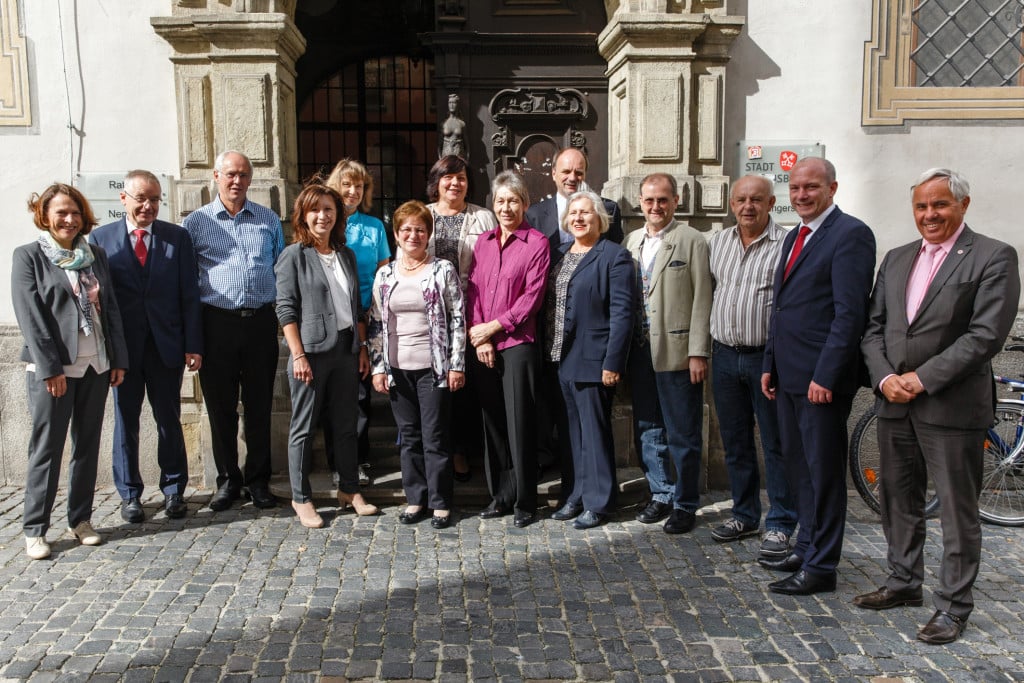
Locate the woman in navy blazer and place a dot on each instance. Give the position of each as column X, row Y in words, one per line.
column 590, row 321
column 318, row 308
column 74, row 345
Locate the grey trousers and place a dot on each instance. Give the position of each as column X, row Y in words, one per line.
column 81, row 408
column 911, row 451
column 334, row 391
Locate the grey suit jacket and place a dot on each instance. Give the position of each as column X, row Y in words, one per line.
column 962, row 323
column 679, row 296
column 304, row 296
column 47, row 311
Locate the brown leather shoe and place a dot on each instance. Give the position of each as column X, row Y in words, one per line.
column 942, row 628
column 886, row 598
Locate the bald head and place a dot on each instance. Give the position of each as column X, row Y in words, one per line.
column 569, row 171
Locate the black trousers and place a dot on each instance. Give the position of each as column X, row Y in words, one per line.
column 507, row 393
column 421, row 412
column 240, row 360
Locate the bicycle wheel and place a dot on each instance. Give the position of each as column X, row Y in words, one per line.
column 865, row 465
column 1002, row 482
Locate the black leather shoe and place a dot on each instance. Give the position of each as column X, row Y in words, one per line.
column 462, row 477
column 175, row 507
column 942, row 628
column 588, row 520
column 222, row 500
column 406, row 517
column 493, row 512
column 654, row 512
column 132, row 512
column 524, row 519
column 790, row 563
column 804, row 583
column 567, row 512
column 885, row 598
column 439, row 522
column 261, row 498
column 680, row 522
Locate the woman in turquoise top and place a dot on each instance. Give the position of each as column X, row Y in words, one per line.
column 364, row 235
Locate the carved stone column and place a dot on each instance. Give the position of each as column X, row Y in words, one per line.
column 666, row 81
column 235, row 87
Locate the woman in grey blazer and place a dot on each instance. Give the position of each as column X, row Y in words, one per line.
column 74, row 346
column 318, row 308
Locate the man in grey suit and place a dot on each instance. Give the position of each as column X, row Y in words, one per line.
column 668, row 361
column 941, row 309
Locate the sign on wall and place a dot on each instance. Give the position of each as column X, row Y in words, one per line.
column 774, row 160
column 103, row 190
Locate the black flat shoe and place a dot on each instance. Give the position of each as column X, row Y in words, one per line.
column 463, row 477
column 406, row 517
column 175, row 507
column 439, row 522
column 790, row 563
column 589, row 520
column 654, row 512
column 132, row 512
column 524, row 519
column 567, row 512
column 493, row 512
column 261, row 498
column 222, row 500
column 804, row 583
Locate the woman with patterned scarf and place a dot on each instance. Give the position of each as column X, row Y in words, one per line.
column 75, row 350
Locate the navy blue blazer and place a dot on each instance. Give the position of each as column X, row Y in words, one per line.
column 598, row 313
column 820, row 310
column 161, row 299
column 544, row 217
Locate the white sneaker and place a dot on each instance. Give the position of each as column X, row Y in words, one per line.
column 37, row 547
column 85, row 534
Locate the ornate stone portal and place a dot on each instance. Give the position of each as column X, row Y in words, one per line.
column 666, row 81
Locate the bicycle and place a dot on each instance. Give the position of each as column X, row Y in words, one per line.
column 1002, row 489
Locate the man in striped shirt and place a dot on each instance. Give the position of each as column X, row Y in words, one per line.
column 743, row 263
column 236, row 244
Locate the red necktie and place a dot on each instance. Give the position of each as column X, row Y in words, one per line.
column 140, row 246
column 797, row 248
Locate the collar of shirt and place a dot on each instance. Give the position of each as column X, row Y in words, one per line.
column 946, row 246
column 132, row 227
column 219, row 208
column 520, row 233
column 816, row 223
column 661, row 233
column 773, row 232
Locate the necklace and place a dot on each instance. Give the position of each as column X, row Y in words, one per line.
column 408, row 268
column 327, row 259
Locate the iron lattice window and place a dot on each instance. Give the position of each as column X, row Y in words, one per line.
column 968, row 43
column 381, row 112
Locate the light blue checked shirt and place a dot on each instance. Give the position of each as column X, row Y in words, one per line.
column 236, row 254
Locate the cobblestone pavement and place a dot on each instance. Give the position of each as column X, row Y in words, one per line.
column 251, row 595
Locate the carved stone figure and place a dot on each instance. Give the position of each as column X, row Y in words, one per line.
column 452, row 130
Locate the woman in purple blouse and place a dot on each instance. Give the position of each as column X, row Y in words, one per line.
column 506, row 288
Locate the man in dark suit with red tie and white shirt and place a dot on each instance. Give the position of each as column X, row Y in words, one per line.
column 156, row 284
column 811, row 364
column 941, row 309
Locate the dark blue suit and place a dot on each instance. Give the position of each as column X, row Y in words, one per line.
column 819, row 315
column 162, row 318
column 596, row 335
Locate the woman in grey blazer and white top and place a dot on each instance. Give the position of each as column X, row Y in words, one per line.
column 318, row 308
column 74, row 346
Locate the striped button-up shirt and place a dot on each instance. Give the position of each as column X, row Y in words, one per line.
column 236, row 254
column 742, row 304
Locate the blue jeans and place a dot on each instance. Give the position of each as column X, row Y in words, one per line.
column 667, row 414
column 736, row 385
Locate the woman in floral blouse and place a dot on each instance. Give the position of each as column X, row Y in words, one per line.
column 418, row 342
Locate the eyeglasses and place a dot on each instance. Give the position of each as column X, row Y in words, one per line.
column 142, row 199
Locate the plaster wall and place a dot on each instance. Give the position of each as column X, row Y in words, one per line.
column 797, row 73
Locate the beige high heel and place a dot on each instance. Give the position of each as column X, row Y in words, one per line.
column 357, row 503
column 308, row 516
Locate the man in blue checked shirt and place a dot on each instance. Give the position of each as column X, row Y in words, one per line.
column 237, row 243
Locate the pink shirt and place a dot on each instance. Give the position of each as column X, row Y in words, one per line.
column 507, row 283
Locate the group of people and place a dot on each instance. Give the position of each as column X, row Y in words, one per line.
column 524, row 320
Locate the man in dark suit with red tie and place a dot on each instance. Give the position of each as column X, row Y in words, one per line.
column 811, row 363
column 156, row 283
column 941, row 309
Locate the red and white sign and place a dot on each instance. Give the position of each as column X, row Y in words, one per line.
column 787, row 160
